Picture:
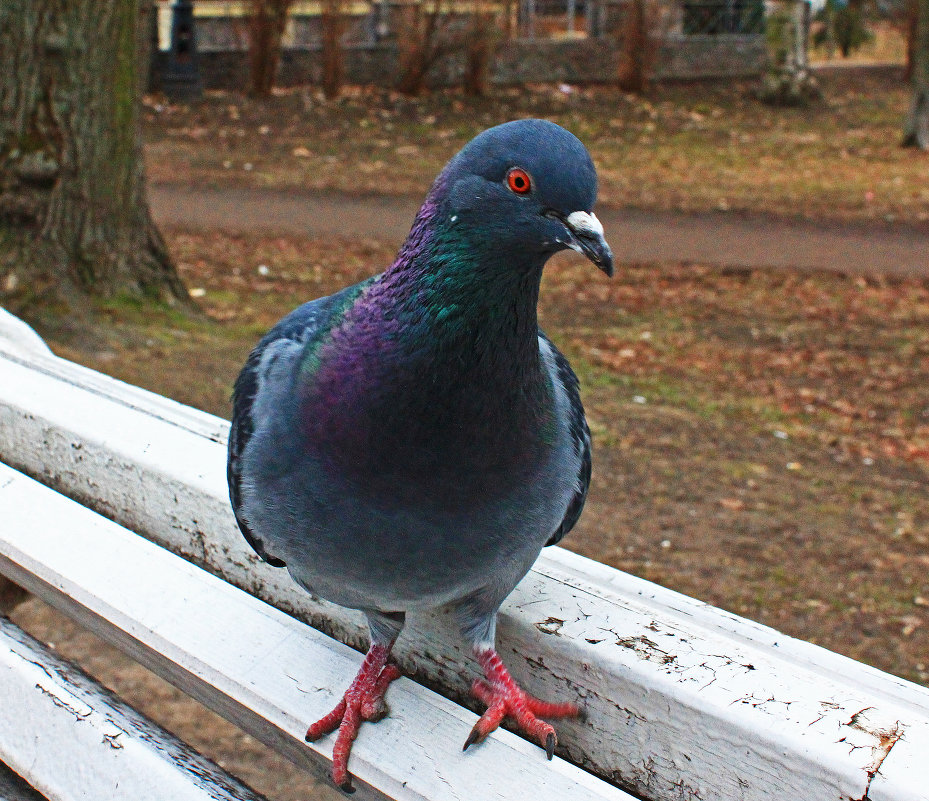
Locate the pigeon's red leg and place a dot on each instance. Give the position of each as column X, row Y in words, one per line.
column 505, row 698
column 364, row 700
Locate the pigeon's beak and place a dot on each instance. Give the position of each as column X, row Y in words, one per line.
column 587, row 238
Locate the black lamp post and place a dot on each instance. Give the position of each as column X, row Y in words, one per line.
column 181, row 78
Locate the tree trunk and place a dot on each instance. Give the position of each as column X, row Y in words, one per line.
column 830, row 29
column 638, row 48
column 266, row 24
column 333, row 24
column 910, row 23
column 74, row 220
column 916, row 128
column 412, row 36
column 424, row 39
column 479, row 49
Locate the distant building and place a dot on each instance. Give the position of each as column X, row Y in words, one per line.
column 539, row 40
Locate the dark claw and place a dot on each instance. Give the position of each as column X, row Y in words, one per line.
column 582, row 714
column 550, row 745
column 473, row 737
column 346, row 787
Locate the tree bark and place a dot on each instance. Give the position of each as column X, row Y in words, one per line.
column 638, row 48
column 916, row 127
column 415, row 37
column 424, row 39
column 333, row 25
column 266, row 24
column 74, row 219
column 479, row 50
column 910, row 22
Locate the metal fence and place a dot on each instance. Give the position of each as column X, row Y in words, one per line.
column 723, row 17
column 545, row 19
column 221, row 25
column 553, row 18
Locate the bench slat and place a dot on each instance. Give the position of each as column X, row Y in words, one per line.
column 679, row 695
column 72, row 739
column 255, row 665
column 18, row 336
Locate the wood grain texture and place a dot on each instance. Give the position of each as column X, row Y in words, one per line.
column 683, row 700
column 253, row 664
column 72, row 739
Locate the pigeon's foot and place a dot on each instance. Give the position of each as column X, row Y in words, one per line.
column 505, row 698
column 363, row 700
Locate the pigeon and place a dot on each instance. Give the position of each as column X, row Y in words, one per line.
column 412, row 442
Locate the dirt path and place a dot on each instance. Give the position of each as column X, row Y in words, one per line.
column 729, row 240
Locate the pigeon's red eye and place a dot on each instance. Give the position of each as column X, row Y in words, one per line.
column 519, row 181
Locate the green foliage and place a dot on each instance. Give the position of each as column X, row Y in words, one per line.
column 779, row 32
column 848, row 27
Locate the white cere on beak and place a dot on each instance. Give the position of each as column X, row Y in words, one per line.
column 582, row 222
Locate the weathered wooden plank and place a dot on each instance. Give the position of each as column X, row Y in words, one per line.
column 255, row 665
column 72, row 739
column 681, row 698
column 19, row 337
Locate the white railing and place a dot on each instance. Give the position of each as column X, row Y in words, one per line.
column 683, row 701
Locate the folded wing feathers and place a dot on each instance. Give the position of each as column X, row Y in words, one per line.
column 580, row 434
column 299, row 327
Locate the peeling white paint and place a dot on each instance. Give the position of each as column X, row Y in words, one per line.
column 72, row 739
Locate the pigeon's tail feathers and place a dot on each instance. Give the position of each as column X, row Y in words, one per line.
column 303, row 327
column 564, row 377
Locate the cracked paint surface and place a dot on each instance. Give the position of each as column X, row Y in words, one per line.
column 880, row 738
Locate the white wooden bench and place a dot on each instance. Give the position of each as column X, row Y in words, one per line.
column 683, row 701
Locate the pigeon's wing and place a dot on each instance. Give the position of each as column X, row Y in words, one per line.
column 564, row 379
column 293, row 333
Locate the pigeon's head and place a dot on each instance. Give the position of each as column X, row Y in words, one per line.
column 526, row 188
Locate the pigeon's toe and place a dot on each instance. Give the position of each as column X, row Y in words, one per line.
column 364, row 700
column 506, row 699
